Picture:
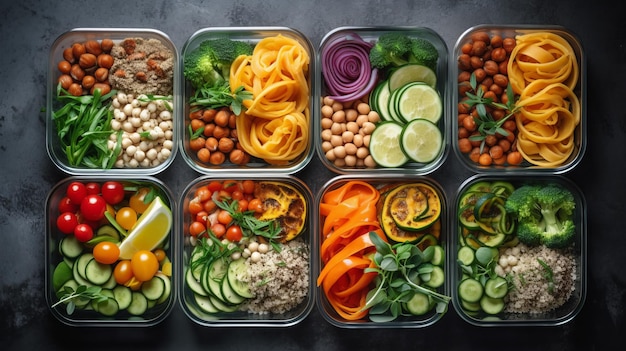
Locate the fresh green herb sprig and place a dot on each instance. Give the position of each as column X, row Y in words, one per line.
column 212, row 250
column 83, row 125
column 548, row 274
column 250, row 225
column 82, row 292
column 399, row 267
column 486, row 124
column 219, row 95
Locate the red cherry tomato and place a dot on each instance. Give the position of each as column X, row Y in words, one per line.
column 92, row 207
column 234, row 233
column 92, row 188
column 113, row 192
column 106, row 252
column 76, row 191
column 83, row 232
column 145, row 265
column 215, row 185
column 123, row 272
column 66, row 222
column 66, row 205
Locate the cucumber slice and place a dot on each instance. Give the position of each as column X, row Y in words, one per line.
column 412, row 73
column 437, row 277
column 205, row 304
column 491, row 305
column 419, row 304
column 153, row 289
column 382, row 102
column 123, row 295
column 193, row 284
column 420, row 140
column 417, row 100
column 98, row 273
column 70, row 247
column 496, row 287
column 385, row 146
column 392, row 109
column 237, row 269
column 108, row 307
column 470, row 290
column 466, row 255
column 373, row 97
column 439, row 256
column 230, row 296
column 138, row 304
column 168, row 287
column 212, row 278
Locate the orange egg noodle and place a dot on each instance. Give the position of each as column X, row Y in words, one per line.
column 543, row 70
column 275, row 124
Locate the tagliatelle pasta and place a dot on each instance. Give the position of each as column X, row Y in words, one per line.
column 275, row 123
column 544, row 71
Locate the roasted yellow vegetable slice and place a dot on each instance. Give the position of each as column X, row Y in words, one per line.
column 284, row 204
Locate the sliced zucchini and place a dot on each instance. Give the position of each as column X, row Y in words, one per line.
column 466, row 255
column 496, row 287
column 437, row 277
column 470, row 290
column 419, row 304
column 491, row 305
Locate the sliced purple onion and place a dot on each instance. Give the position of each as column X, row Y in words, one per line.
column 346, row 68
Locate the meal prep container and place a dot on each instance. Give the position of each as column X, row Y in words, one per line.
column 195, row 305
column 557, row 316
column 579, row 140
column 386, row 182
column 371, row 35
column 157, row 310
column 117, row 35
column 255, row 165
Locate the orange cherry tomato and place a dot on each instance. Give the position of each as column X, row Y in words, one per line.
column 196, row 228
column 255, row 205
column 215, row 185
column 195, row 206
column 126, row 217
column 248, row 186
column 106, row 252
column 144, row 264
column 209, row 206
column 160, row 254
column 224, row 217
column 137, row 200
column 123, row 272
column 218, row 229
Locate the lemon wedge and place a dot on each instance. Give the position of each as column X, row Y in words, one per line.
column 150, row 230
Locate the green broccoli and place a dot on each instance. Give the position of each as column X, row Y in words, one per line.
column 209, row 63
column 395, row 49
column 544, row 215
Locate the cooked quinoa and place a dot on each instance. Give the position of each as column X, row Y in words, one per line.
column 279, row 280
column 532, row 292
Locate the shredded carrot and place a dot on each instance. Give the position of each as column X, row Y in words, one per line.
column 349, row 213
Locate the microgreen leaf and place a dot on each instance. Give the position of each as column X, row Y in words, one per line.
column 219, row 95
column 69, row 295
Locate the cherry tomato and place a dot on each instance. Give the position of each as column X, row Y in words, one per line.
column 83, row 232
column 113, row 192
column 66, row 222
column 144, row 264
column 209, row 206
column 224, row 217
column 237, row 194
column 234, row 233
column 255, row 205
column 92, row 188
column 231, row 185
column 195, row 206
column 215, row 185
column 218, row 229
column 66, row 205
column 203, row 193
column 202, row 216
column 196, row 228
column 76, row 191
column 106, row 252
column 248, row 186
column 92, row 207
column 126, row 217
column 243, row 205
column 123, row 272
column 160, row 254
column 137, row 200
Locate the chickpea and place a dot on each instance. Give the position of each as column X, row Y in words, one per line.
column 464, row 62
column 499, row 54
column 351, row 115
column 327, row 111
column 339, row 116
column 491, row 67
column 469, row 123
column 476, row 62
column 236, row 156
column 479, row 48
column 363, row 108
column 464, row 145
column 508, row 44
column 226, row 145
column 340, row 151
column 217, row 158
column 485, row 159
column 221, row 118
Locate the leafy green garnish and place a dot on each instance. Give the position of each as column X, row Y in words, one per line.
column 82, row 292
column 400, row 268
column 219, row 95
column 212, row 249
column 83, row 125
column 250, row 225
column 486, row 124
column 548, row 274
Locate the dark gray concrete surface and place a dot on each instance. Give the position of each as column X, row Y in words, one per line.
column 27, row 30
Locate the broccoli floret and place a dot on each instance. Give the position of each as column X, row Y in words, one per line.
column 544, row 215
column 209, row 63
column 424, row 53
column 395, row 49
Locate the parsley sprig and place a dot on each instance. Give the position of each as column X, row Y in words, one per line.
column 486, row 124
column 219, row 95
column 82, row 292
column 250, row 225
column 400, row 267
